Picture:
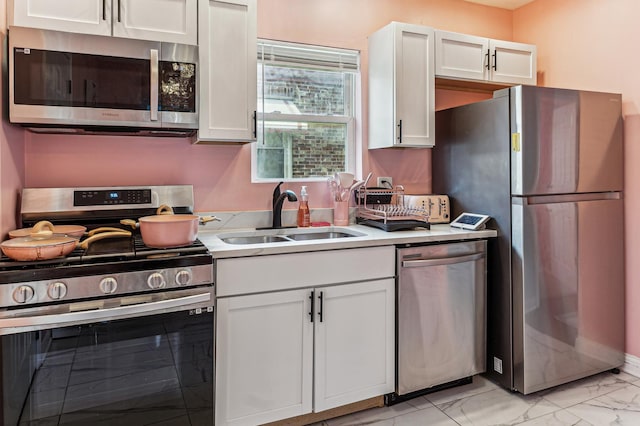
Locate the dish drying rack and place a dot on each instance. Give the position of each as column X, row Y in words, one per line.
column 384, row 208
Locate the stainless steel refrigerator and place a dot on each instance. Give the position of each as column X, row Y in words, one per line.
column 547, row 165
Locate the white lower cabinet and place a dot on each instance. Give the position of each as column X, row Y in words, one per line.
column 354, row 343
column 287, row 353
column 264, row 358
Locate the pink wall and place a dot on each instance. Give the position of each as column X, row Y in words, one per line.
column 592, row 45
column 221, row 175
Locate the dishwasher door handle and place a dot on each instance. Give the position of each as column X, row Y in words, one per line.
column 441, row 261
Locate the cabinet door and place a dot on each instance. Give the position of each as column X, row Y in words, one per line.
column 401, row 86
column 415, row 86
column 354, row 342
column 264, row 350
column 228, row 70
column 461, row 56
column 76, row 16
column 170, row 21
column 513, row 63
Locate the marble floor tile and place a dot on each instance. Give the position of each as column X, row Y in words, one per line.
column 620, row 407
column 557, row 418
column 628, row 377
column 603, row 399
column 583, row 389
column 372, row 415
column 497, row 406
column 478, row 386
column 429, row 416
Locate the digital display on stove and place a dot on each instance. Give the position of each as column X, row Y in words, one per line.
column 108, row 197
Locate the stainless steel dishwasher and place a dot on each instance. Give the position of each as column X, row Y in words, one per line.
column 441, row 315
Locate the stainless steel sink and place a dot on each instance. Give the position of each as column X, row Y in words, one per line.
column 255, row 239
column 319, row 235
column 299, row 235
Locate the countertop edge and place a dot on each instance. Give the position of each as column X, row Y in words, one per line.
column 371, row 237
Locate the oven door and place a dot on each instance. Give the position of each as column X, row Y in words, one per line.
column 136, row 360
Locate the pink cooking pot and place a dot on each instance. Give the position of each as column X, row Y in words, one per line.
column 167, row 230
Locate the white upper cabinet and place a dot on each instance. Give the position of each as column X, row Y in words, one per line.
column 513, row 63
column 401, row 86
column 228, row 70
column 468, row 57
column 174, row 21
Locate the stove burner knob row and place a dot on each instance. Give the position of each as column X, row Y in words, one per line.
column 156, row 280
column 108, row 285
column 57, row 290
column 23, row 294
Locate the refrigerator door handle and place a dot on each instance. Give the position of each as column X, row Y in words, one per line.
column 566, row 198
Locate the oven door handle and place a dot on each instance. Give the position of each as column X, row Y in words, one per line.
column 42, row 322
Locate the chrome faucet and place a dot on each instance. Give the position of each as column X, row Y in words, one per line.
column 278, row 200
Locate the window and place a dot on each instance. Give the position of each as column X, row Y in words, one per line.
column 306, row 119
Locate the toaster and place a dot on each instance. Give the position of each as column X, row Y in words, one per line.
column 437, row 206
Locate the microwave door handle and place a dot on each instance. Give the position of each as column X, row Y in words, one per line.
column 154, row 85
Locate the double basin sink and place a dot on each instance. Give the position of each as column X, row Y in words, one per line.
column 286, row 235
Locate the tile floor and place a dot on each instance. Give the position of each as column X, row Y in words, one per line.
column 604, row 399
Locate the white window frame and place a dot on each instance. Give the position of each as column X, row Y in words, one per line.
column 318, row 58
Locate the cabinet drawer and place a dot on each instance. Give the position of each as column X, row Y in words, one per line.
column 287, row 271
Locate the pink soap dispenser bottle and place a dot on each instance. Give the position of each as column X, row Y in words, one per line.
column 304, row 215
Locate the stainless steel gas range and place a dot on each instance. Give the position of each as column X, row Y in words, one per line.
column 118, row 333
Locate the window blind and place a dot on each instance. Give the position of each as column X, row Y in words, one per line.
column 300, row 55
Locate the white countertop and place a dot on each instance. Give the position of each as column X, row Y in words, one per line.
column 370, row 237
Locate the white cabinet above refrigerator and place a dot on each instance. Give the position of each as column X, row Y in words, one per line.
column 464, row 56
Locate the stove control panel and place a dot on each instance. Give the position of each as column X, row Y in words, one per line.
column 100, row 197
column 93, row 286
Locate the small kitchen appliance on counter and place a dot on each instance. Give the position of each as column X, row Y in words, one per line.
column 436, row 206
column 127, row 328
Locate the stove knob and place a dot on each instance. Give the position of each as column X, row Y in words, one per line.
column 57, row 290
column 23, row 294
column 108, row 285
column 156, row 280
column 183, row 277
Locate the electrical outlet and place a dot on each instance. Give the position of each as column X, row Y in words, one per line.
column 385, row 182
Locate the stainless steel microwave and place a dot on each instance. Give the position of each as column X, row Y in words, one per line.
column 67, row 82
